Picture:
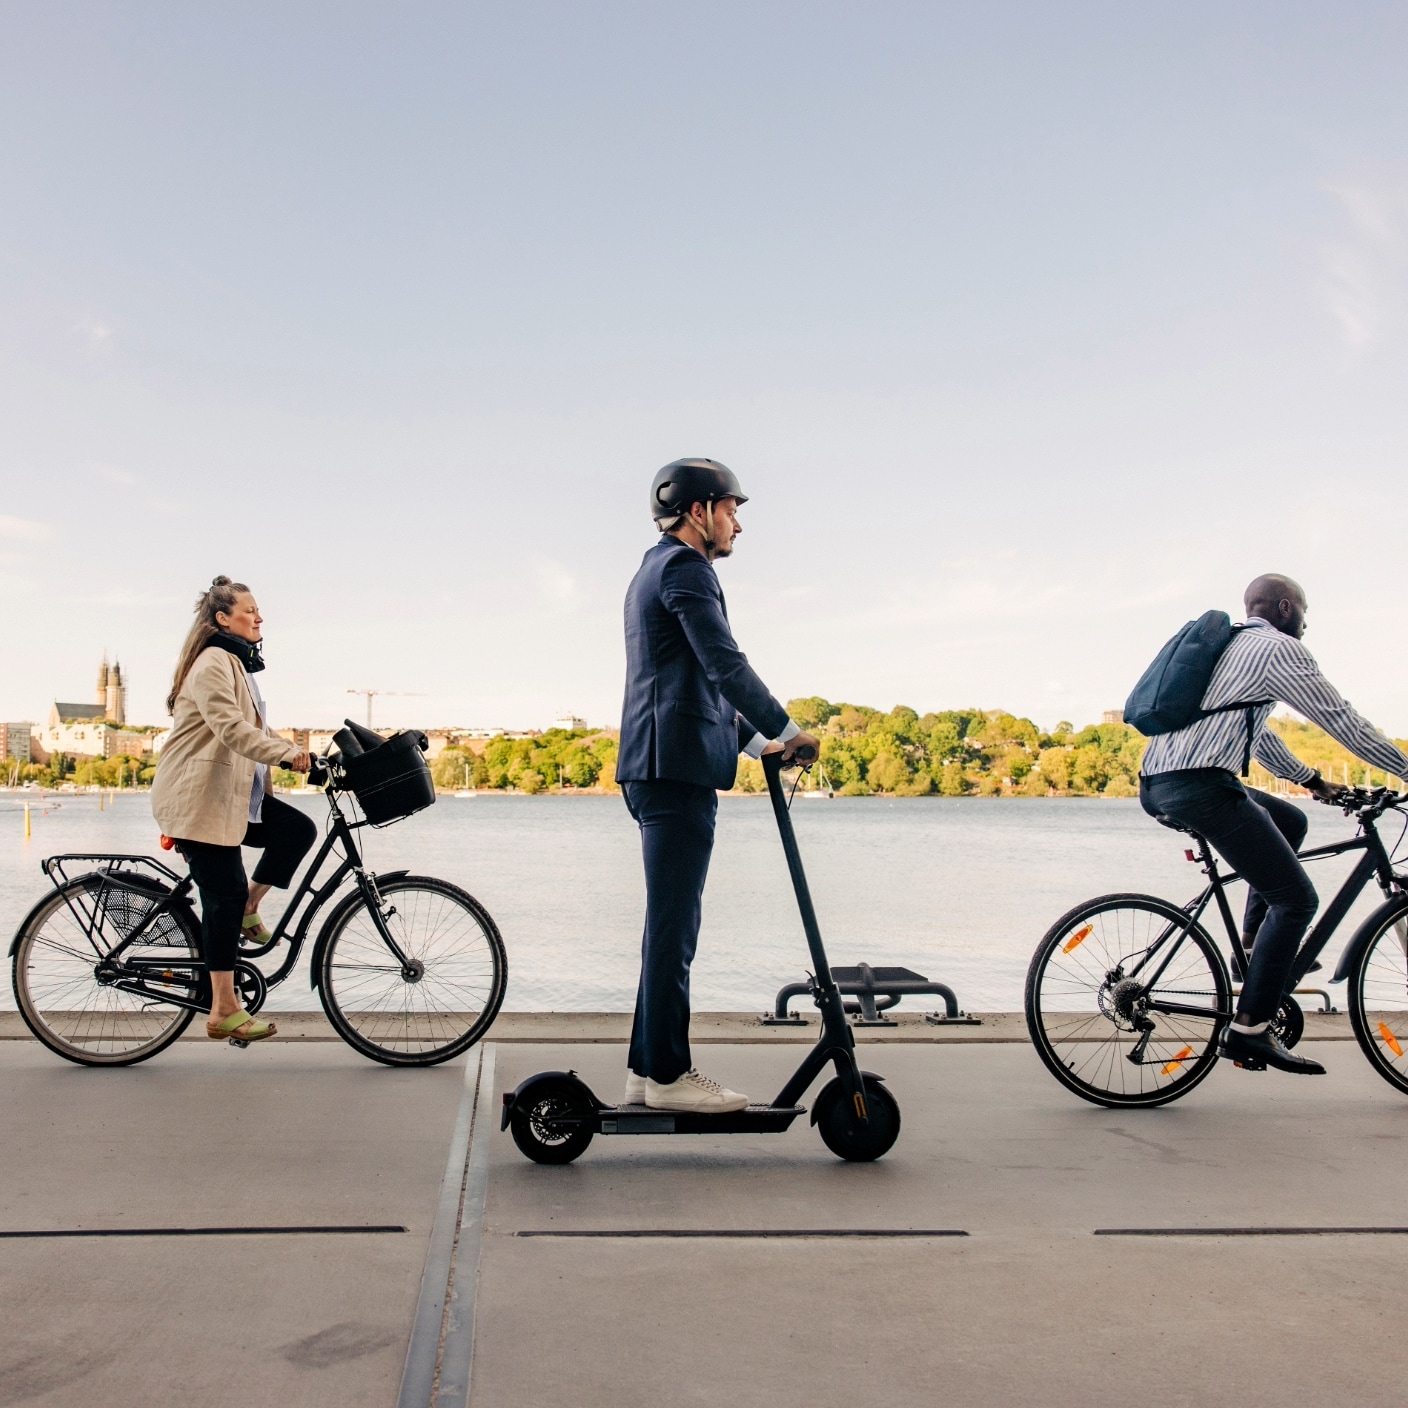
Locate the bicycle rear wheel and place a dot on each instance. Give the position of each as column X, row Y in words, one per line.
column 1089, row 998
column 64, row 996
column 442, row 1002
column 1378, row 994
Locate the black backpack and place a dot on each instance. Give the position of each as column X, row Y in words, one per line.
column 1169, row 695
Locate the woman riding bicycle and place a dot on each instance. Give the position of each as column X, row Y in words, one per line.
column 212, row 791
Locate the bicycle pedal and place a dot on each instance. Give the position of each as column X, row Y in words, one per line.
column 1250, row 1065
column 235, row 1041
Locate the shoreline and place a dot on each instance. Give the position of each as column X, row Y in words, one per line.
column 46, row 795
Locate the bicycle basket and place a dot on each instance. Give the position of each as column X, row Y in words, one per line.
column 391, row 781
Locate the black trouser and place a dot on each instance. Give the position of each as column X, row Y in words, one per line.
column 676, row 821
column 286, row 836
column 1258, row 836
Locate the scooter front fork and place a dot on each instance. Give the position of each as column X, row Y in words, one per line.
column 853, row 1083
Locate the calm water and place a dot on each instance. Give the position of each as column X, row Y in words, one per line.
column 959, row 889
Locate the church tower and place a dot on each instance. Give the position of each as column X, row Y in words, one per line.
column 101, row 697
column 115, row 697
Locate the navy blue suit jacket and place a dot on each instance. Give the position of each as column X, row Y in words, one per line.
column 692, row 699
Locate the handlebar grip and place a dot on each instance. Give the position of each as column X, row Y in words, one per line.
column 805, row 754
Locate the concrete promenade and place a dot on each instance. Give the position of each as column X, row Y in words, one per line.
column 1030, row 1307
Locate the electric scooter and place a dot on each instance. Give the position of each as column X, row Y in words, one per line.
column 554, row 1115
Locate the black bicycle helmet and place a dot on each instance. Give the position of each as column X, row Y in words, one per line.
column 683, row 483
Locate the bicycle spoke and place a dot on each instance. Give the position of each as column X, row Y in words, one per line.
column 438, row 1003
column 1093, row 991
column 57, row 982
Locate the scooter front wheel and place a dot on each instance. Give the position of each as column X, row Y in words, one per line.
column 549, row 1120
column 841, row 1130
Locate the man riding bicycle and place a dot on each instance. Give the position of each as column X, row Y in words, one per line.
column 1189, row 778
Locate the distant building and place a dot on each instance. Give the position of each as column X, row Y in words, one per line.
column 1112, row 716
column 93, row 738
column 109, row 703
column 570, row 722
column 16, row 742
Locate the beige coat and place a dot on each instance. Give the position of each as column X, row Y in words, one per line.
column 206, row 772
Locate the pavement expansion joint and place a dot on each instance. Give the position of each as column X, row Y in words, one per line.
column 353, row 1230
column 1251, row 1232
column 734, row 1233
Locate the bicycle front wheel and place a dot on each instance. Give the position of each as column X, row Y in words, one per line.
column 67, row 993
column 435, row 1006
column 1094, row 991
column 1378, row 994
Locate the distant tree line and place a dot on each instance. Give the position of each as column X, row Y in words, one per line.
column 961, row 752
column 120, row 771
column 560, row 759
column 864, row 752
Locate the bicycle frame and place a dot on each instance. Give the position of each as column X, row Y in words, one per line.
column 1375, row 863
column 119, row 963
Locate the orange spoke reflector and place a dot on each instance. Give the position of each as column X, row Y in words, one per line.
column 1178, row 1061
column 1076, row 939
column 1390, row 1040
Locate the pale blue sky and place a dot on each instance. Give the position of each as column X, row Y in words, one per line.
column 1032, row 330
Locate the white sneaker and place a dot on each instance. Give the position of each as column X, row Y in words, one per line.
column 693, row 1091
column 635, row 1089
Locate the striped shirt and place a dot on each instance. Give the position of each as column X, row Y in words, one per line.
column 1264, row 663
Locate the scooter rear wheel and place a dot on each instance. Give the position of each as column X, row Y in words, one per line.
column 843, row 1133
column 545, row 1120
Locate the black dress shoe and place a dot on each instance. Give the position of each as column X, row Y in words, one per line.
column 1256, row 1053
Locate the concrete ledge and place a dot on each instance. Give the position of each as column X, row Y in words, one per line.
column 706, row 1029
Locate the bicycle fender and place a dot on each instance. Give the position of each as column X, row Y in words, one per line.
column 25, row 923
column 1362, row 935
column 343, row 905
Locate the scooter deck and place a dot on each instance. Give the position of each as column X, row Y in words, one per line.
column 639, row 1119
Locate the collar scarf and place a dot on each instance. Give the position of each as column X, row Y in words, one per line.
column 245, row 651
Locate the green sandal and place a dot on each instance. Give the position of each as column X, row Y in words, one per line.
column 240, row 1026
column 254, row 930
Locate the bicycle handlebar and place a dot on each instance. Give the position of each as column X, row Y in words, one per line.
column 1364, row 801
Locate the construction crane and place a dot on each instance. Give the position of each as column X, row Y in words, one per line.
column 371, row 694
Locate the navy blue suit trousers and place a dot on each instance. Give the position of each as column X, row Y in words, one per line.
column 676, row 821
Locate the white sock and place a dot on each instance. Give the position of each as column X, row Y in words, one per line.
column 1255, row 1029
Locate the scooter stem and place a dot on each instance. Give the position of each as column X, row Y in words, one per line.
column 772, row 771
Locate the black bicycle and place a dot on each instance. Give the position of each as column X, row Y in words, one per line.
column 1126, row 994
column 410, row 970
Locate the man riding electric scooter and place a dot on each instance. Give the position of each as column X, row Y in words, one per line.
column 692, row 705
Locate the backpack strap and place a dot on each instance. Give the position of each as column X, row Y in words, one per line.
column 1248, row 705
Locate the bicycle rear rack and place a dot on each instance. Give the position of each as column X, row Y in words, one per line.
column 108, row 863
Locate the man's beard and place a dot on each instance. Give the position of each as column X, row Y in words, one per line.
column 724, row 549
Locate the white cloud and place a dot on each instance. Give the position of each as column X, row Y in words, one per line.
column 116, row 476
column 24, row 530
column 98, row 334
column 556, row 585
column 1366, row 269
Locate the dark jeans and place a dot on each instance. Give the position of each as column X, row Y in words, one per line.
column 286, row 836
column 676, row 821
column 1257, row 835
